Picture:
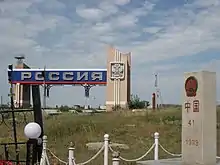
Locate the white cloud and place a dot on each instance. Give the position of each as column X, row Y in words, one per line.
column 151, row 29
column 125, row 21
column 204, row 3
column 54, row 5
column 121, row 2
column 183, row 39
column 66, row 39
column 89, row 13
column 108, row 7
column 102, row 27
column 103, row 10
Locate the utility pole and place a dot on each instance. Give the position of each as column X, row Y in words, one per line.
column 156, row 89
column 1, row 101
column 45, row 89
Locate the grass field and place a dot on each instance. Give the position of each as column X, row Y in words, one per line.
column 134, row 129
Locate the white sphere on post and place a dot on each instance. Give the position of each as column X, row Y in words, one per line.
column 32, row 130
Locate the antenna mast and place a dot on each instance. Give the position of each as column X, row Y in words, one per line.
column 159, row 100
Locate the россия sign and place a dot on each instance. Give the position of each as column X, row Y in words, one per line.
column 60, row 76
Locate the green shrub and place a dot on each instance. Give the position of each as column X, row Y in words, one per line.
column 64, row 108
column 137, row 103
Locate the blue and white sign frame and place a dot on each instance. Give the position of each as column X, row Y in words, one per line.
column 59, row 76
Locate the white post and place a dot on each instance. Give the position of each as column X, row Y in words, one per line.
column 44, row 152
column 71, row 154
column 115, row 158
column 156, row 147
column 106, row 141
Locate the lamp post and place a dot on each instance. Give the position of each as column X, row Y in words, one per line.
column 10, row 77
column 33, row 131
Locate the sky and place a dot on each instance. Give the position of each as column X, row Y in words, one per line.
column 166, row 37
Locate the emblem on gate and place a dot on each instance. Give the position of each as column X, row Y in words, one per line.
column 191, row 86
column 117, row 70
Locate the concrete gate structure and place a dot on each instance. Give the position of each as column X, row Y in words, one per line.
column 116, row 78
column 22, row 91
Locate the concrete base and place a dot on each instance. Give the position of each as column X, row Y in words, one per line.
column 173, row 161
column 110, row 107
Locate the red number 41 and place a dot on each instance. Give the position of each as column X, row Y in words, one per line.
column 191, row 122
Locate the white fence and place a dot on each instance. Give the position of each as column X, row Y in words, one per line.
column 116, row 158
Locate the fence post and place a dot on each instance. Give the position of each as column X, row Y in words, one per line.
column 115, row 158
column 156, row 147
column 44, row 152
column 71, row 154
column 6, row 152
column 106, row 141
